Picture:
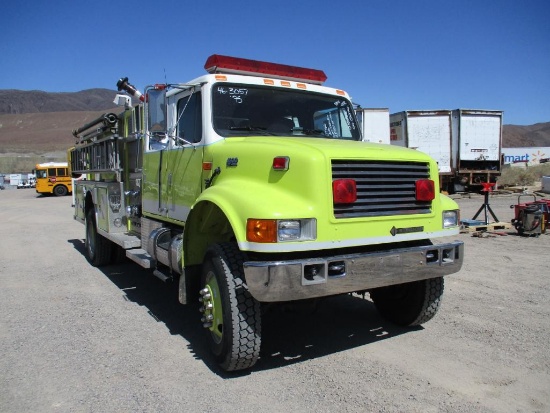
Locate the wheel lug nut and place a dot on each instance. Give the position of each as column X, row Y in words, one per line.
column 207, row 325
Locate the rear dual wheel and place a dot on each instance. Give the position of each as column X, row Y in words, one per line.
column 99, row 250
column 230, row 313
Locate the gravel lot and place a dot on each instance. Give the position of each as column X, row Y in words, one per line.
column 74, row 338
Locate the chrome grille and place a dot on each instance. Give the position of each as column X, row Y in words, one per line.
column 383, row 188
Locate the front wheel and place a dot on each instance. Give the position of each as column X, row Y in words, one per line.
column 409, row 304
column 230, row 313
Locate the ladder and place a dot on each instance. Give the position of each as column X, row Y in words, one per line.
column 97, row 148
column 100, row 155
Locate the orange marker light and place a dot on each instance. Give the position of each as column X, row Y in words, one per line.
column 261, row 230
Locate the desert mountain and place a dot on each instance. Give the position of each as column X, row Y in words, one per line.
column 37, row 121
column 16, row 102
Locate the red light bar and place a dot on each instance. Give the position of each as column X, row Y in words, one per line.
column 226, row 64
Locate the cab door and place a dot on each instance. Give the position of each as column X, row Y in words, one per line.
column 182, row 162
column 156, row 142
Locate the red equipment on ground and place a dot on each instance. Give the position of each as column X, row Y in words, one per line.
column 531, row 218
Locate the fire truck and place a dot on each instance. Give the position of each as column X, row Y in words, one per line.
column 251, row 185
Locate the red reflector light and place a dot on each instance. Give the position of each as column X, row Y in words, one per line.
column 280, row 163
column 425, row 190
column 344, row 191
column 227, row 64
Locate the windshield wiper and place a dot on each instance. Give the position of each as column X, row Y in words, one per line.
column 310, row 132
column 248, row 128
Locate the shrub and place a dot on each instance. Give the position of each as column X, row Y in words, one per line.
column 528, row 176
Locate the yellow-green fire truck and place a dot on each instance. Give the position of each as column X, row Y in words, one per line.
column 251, row 185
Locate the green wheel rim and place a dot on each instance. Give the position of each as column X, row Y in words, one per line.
column 216, row 329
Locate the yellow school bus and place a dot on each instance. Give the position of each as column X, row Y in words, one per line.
column 53, row 178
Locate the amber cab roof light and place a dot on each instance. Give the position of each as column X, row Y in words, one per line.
column 236, row 65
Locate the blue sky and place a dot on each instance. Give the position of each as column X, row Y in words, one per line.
column 401, row 55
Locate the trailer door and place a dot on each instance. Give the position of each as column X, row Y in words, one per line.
column 431, row 134
column 480, row 137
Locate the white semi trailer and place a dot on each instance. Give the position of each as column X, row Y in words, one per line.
column 466, row 143
column 375, row 124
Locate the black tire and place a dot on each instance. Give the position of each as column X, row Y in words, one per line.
column 60, row 190
column 231, row 315
column 99, row 249
column 409, row 304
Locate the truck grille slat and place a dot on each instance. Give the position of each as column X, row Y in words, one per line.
column 383, row 188
column 362, row 193
column 369, row 174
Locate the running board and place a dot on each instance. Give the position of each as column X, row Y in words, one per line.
column 124, row 240
column 141, row 257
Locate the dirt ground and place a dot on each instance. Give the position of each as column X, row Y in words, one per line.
column 74, row 338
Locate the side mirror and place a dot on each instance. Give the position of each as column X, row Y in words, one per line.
column 156, row 110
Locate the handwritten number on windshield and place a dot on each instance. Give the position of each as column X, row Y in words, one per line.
column 237, row 94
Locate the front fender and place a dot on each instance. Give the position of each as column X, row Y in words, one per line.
column 240, row 200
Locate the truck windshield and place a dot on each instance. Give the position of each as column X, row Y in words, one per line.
column 241, row 110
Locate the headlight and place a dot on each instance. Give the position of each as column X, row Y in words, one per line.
column 450, row 219
column 288, row 230
column 281, row 230
column 296, row 230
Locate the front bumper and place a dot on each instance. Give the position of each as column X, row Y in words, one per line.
column 272, row 281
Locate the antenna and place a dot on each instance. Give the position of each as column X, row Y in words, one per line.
column 165, row 81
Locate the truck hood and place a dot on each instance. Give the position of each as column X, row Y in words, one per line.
column 331, row 148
